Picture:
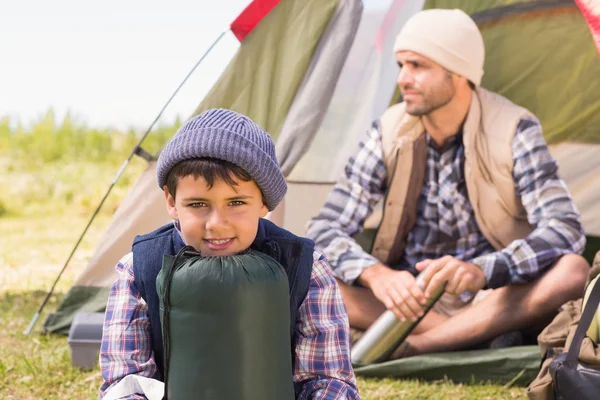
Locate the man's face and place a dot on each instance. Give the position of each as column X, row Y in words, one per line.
column 217, row 221
column 425, row 85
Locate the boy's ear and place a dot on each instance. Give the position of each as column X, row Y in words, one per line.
column 263, row 211
column 170, row 201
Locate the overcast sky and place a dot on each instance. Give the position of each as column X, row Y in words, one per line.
column 112, row 63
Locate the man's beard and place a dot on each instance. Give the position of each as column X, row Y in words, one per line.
column 432, row 102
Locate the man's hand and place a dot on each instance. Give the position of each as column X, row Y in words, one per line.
column 460, row 275
column 397, row 290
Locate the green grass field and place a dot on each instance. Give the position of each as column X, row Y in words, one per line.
column 47, row 195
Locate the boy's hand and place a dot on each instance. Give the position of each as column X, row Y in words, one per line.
column 460, row 275
column 397, row 290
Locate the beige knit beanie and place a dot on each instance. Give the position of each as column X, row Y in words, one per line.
column 448, row 37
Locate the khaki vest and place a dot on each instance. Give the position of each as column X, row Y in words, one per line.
column 488, row 134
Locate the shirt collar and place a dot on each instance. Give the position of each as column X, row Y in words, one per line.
column 177, row 226
column 452, row 141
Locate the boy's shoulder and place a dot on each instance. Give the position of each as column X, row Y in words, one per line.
column 270, row 229
column 163, row 231
column 321, row 264
column 321, row 273
column 125, row 264
column 318, row 256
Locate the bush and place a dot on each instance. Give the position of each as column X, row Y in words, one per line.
column 3, row 209
column 55, row 167
column 48, row 140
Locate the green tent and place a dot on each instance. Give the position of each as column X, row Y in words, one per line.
column 315, row 78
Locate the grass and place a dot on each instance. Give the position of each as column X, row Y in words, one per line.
column 45, row 210
column 39, row 366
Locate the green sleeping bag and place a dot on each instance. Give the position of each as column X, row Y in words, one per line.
column 225, row 325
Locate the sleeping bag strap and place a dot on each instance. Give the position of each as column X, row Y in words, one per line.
column 187, row 251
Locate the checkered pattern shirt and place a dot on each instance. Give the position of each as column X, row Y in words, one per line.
column 446, row 222
column 322, row 363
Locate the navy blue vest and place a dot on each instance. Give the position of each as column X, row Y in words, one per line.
column 294, row 253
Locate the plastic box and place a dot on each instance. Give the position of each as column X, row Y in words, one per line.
column 85, row 336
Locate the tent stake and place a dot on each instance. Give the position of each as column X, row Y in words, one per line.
column 137, row 149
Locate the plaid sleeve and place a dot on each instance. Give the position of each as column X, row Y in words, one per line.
column 550, row 209
column 348, row 205
column 126, row 345
column 323, row 369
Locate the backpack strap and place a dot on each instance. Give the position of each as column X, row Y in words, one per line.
column 589, row 312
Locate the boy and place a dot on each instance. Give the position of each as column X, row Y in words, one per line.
column 220, row 177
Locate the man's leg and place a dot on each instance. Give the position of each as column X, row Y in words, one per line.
column 508, row 308
column 364, row 308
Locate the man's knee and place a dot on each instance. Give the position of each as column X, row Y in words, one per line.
column 570, row 273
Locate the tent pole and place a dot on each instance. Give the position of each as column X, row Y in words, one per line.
column 136, row 150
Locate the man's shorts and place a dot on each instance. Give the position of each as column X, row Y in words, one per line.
column 450, row 305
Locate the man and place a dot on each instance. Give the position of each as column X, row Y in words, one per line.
column 470, row 195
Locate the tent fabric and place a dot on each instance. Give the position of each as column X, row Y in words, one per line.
column 553, row 71
column 143, row 208
column 263, row 78
column 515, row 365
column 258, row 82
column 303, row 201
column 308, row 109
column 579, row 165
column 518, row 8
column 363, row 92
column 591, row 12
column 78, row 299
column 250, row 17
column 493, row 6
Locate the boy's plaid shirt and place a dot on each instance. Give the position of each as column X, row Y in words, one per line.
column 446, row 222
column 322, row 364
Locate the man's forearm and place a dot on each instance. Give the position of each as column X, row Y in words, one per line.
column 525, row 260
column 366, row 277
column 346, row 257
column 347, row 207
column 550, row 209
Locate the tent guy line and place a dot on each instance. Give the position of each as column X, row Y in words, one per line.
column 137, row 150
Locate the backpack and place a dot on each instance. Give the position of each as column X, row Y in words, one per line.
column 570, row 367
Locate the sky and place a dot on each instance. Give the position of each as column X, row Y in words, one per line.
column 111, row 63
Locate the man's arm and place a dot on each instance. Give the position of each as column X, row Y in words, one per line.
column 126, row 345
column 322, row 369
column 348, row 205
column 550, row 209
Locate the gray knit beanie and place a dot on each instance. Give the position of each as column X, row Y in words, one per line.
column 229, row 136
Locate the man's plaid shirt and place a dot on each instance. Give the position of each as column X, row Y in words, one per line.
column 446, row 222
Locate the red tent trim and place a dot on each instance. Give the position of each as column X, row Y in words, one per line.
column 388, row 21
column 591, row 11
column 250, row 17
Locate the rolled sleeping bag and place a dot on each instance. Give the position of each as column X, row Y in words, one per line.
column 225, row 325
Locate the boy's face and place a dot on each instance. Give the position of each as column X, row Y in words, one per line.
column 219, row 221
